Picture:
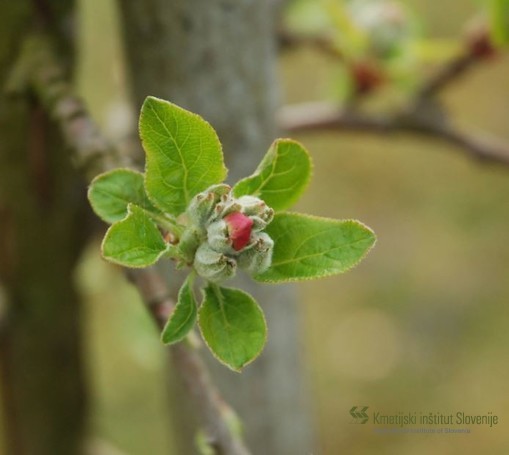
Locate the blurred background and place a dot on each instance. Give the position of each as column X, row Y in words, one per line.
column 420, row 325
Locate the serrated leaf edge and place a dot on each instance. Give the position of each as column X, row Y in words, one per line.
column 187, row 282
column 324, row 275
column 113, row 261
column 236, row 370
column 102, row 175
column 192, row 114
column 258, row 171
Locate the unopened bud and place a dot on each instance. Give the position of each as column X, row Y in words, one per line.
column 252, row 205
column 386, row 23
column 202, row 205
column 257, row 210
column 223, row 230
column 218, row 237
column 189, row 242
column 257, row 259
column 240, row 227
column 212, row 265
column 478, row 40
column 225, row 207
column 366, row 76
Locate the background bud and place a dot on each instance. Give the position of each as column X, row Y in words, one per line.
column 386, row 23
column 478, row 40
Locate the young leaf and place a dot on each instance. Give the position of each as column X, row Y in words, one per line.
column 307, row 247
column 110, row 194
column 233, row 325
column 499, row 21
column 281, row 177
column 184, row 155
column 183, row 318
column 134, row 241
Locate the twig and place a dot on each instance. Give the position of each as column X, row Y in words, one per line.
column 287, row 39
column 41, row 73
column 215, row 412
column 320, row 116
column 419, row 117
column 446, row 75
column 478, row 47
column 476, row 52
column 92, row 154
column 327, row 116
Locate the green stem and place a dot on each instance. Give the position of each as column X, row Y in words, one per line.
column 172, row 252
column 167, row 223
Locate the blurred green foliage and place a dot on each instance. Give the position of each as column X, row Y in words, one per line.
column 421, row 325
column 499, row 21
column 388, row 46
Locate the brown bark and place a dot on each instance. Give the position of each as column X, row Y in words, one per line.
column 91, row 153
column 42, row 232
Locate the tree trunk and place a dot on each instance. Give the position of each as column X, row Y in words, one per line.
column 216, row 58
column 41, row 235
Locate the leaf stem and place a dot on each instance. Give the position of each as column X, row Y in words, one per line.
column 167, row 223
column 220, row 299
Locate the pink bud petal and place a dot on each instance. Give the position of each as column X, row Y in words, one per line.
column 239, row 229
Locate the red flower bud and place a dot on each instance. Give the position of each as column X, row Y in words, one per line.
column 367, row 77
column 239, row 229
column 480, row 45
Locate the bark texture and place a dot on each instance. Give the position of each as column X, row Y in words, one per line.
column 216, row 58
column 41, row 235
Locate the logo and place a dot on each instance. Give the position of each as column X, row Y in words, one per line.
column 359, row 414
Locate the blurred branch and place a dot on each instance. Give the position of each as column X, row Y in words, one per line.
column 216, row 414
column 45, row 78
column 477, row 48
column 447, row 74
column 39, row 73
column 424, row 115
column 329, row 117
column 289, row 40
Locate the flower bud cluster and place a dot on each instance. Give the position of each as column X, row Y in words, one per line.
column 227, row 233
column 386, row 24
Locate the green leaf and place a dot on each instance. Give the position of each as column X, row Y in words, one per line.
column 134, row 241
column 281, row 177
column 233, row 326
column 499, row 21
column 307, row 247
column 110, row 193
column 184, row 155
column 183, row 318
